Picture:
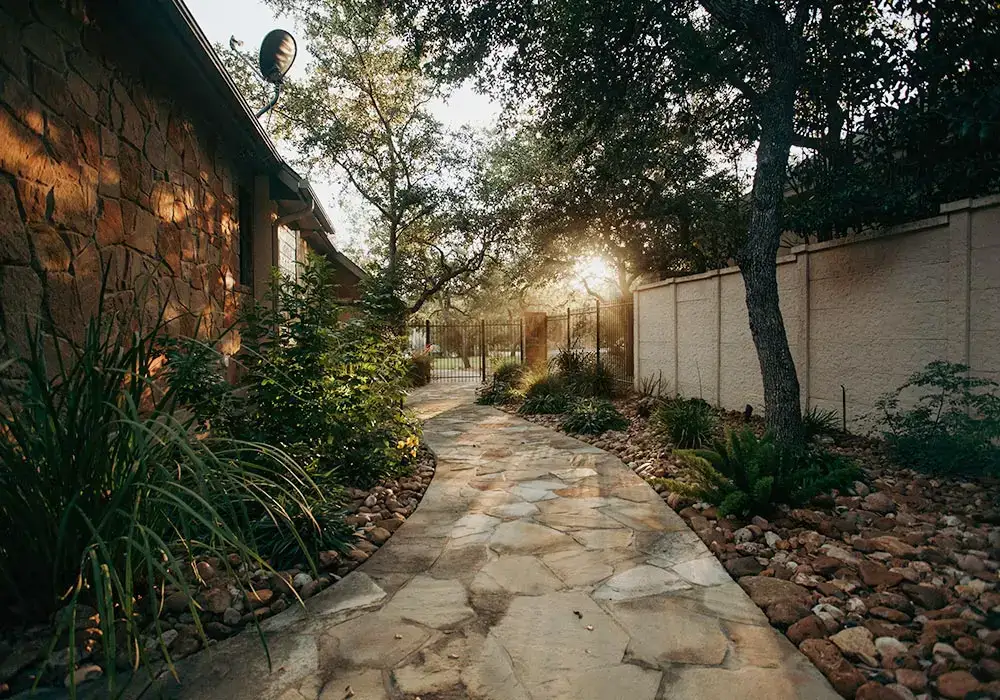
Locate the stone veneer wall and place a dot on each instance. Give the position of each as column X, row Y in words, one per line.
column 100, row 167
column 861, row 312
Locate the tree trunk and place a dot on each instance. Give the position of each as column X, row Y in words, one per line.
column 758, row 263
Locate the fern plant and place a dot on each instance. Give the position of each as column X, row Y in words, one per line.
column 688, row 423
column 593, row 417
column 749, row 474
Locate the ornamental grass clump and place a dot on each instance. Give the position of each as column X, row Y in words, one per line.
column 687, row 423
column 592, row 416
column 113, row 492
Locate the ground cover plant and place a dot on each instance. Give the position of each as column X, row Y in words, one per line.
column 749, row 474
column 686, row 423
column 590, row 416
column 952, row 427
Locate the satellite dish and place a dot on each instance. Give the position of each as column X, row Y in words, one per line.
column 277, row 53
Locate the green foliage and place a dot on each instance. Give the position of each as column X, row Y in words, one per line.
column 107, row 492
column 592, row 416
column 749, row 474
column 508, row 370
column 544, row 404
column 817, row 421
column 687, row 423
column 496, row 393
column 953, row 425
column 326, row 389
column 194, row 373
column 418, row 370
column 305, row 534
column 541, row 382
column 582, row 375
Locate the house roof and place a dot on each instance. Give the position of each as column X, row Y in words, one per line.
column 174, row 45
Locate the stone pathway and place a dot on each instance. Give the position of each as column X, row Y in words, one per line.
column 535, row 567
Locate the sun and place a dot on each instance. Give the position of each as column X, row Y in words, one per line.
column 593, row 271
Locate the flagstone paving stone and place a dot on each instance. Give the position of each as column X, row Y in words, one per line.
column 536, row 567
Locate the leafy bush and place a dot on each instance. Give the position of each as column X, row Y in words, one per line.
column 110, row 491
column 508, row 370
column 582, row 375
column 323, row 387
column 544, row 404
column 418, row 370
column 308, row 532
column 536, row 383
column 954, row 425
column 750, row 474
column 817, row 421
column 688, row 423
column 496, row 393
column 593, row 417
column 194, row 372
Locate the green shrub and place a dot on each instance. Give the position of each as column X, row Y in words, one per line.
column 318, row 529
column 194, row 372
column 110, row 491
column 582, row 375
column 536, row 383
column 507, row 370
column 496, row 393
column 954, row 425
column 750, row 474
column 688, row 423
column 321, row 386
column 544, row 404
column 592, row 417
column 817, row 422
column 418, row 369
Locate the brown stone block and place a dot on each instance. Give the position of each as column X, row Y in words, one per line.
column 34, row 199
column 88, row 289
column 109, row 143
column 168, row 244
column 143, row 236
column 21, row 301
column 90, row 69
column 44, row 44
column 155, row 149
column 50, row 86
column 132, row 129
column 90, row 139
column 13, row 234
column 63, row 141
column 11, row 51
column 115, row 260
column 63, row 303
column 110, row 224
column 82, row 94
column 110, row 178
column 55, row 16
column 23, row 153
column 51, row 251
column 130, row 166
column 74, row 206
column 24, row 104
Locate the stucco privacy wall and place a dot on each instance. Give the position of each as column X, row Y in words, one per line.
column 98, row 166
column 863, row 313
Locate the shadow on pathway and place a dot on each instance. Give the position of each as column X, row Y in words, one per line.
column 535, row 567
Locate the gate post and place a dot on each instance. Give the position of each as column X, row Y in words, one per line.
column 597, row 333
column 427, row 335
column 482, row 346
column 536, row 339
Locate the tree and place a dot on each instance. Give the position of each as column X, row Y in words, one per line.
column 361, row 115
column 743, row 65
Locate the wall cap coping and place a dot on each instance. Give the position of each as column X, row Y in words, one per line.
column 989, row 200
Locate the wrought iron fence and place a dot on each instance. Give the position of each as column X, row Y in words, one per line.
column 466, row 351
column 604, row 330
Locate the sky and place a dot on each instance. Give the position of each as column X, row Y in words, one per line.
column 250, row 20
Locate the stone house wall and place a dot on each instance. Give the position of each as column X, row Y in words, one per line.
column 102, row 168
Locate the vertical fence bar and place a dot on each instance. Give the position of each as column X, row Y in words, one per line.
column 520, row 333
column 597, row 332
column 569, row 340
column 427, row 335
column 482, row 346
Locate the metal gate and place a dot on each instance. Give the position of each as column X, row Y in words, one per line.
column 466, row 351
